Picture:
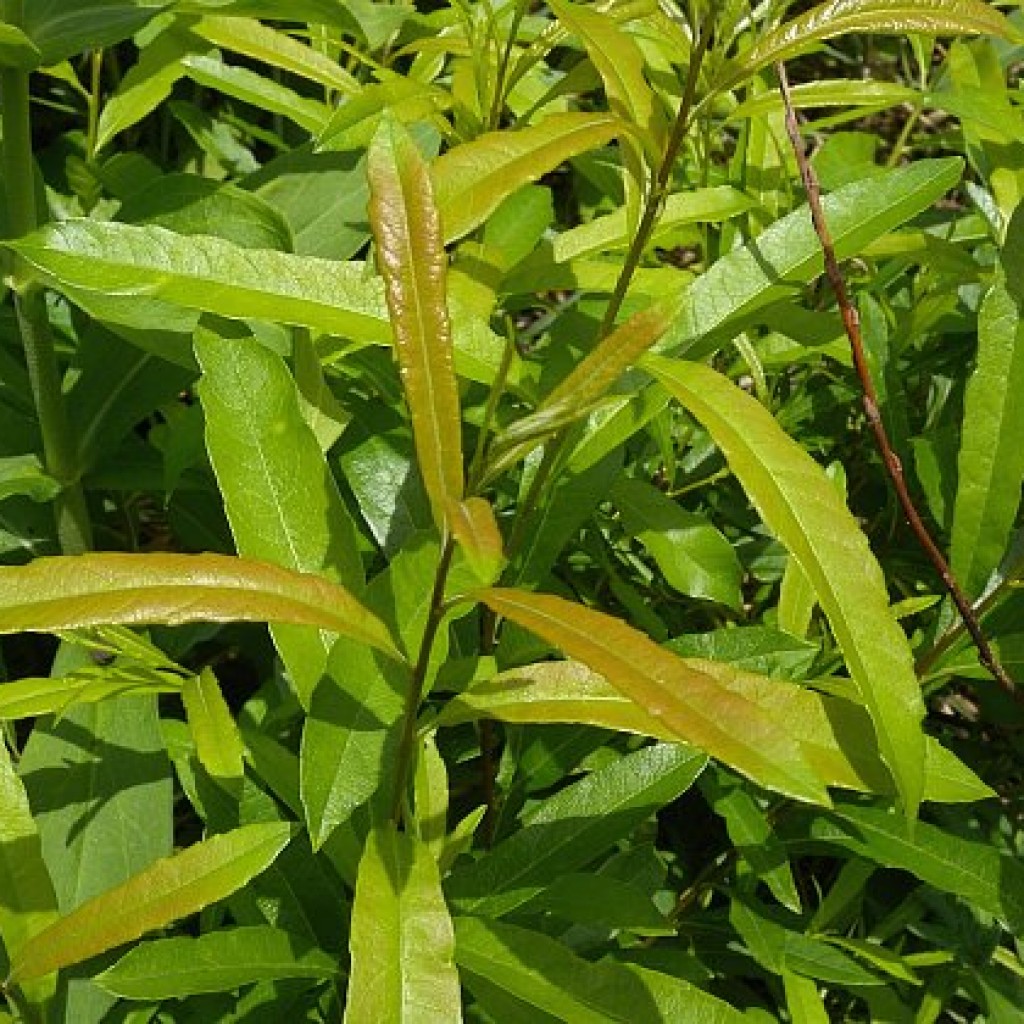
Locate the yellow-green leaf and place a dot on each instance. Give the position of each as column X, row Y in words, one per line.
column 475, row 530
column 219, row 745
column 691, row 704
column 402, row 942
column 803, row 509
column 471, row 180
column 412, row 260
column 172, row 888
column 72, row 591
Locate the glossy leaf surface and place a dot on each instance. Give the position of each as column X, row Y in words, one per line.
column 402, row 943
column 412, row 260
column 690, row 703
column 72, row 591
column 802, row 508
column 170, row 889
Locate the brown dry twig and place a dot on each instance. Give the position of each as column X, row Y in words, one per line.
column 869, row 399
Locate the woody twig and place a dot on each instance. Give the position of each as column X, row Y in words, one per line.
column 869, row 400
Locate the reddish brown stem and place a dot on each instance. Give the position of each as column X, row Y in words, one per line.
column 869, row 399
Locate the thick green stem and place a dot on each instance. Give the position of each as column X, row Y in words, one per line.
column 414, row 695
column 30, row 303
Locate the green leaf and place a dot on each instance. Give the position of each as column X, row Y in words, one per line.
column 17, row 50
column 260, row 42
column 412, row 260
column 970, row 869
column 29, row 698
column 402, row 942
column 167, row 891
column 66, row 28
column 587, row 383
column 72, row 591
column 85, row 258
column 803, row 1001
column 28, row 903
column 800, row 505
column 543, row 975
column 258, row 91
column 719, row 303
column 472, row 180
column 475, row 530
column 280, row 496
column 24, row 475
column 694, row 557
column 219, row 746
column 892, row 17
column 217, row 962
column 990, row 466
column 569, row 830
column 611, row 231
column 690, row 703
column 834, row 734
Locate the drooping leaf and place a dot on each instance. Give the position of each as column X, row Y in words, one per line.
column 893, row 17
column 690, row 703
column 800, row 505
column 411, row 255
column 17, row 50
column 402, row 943
column 719, row 303
column 60, row 28
column 169, row 890
column 990, row 466
column 72, row 591
column 216, row 962
column 279, row 494
column 572, row 828
column 86, row 257
column 24, row 474
column 471, row 180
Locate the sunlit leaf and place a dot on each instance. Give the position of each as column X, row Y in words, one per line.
column 471, row 180
column 412, row 260
column 402, row 943
column 801, row 506
column 169, row 890
column 72, row 591
column 691, row 704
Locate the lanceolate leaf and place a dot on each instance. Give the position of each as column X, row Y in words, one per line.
column 990, row 467
column 216, row 962
column 210, row 274
column 72, row 591
column 471, row 180
column 834, row 734
column 169, row 890
column 894, row 17
column 402, row 942
column 412, row 260
column 801, row 506
column 279, row 494
column 691, row 704
column 718, row 303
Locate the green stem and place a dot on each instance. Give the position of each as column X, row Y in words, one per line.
column 73, row 526
column 662, row 181
column 414, row 694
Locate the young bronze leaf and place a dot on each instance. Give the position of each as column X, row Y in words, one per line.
column 411, row 256
column 169, row 890
column 692, row 705
column 802, row 508
column 474, row 528
column 73, row 591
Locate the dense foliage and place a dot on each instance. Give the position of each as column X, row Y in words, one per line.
column 482, row 350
